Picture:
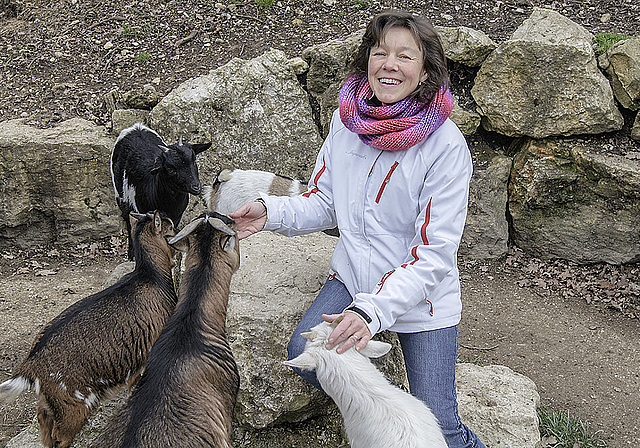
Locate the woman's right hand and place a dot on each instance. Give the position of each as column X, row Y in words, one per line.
column 250, row 218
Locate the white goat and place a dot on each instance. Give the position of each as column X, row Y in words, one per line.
column 376, row 413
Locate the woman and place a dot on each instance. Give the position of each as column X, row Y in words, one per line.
column 393, row 175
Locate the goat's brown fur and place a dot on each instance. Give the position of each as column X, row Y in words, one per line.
column 101, row 342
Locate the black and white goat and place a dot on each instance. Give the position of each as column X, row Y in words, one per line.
column 376, row 413
column 101, row 342
column 149, row 175
column 188, row 391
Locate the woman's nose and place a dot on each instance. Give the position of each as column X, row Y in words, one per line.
column 390, row 63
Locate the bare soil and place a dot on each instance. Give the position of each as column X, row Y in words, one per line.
column 573, row 330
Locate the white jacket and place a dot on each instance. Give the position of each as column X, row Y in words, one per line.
column 400, row 214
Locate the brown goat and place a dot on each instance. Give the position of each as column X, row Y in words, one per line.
column 101, row 342
column 187, row 394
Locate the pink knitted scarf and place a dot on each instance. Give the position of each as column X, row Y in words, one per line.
column 391, row 127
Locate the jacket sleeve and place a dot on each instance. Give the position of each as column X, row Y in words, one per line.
column 434, row 247
column 311, row 211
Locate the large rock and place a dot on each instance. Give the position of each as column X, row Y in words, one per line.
column 486, row 232
column 544, row 81
column 255, row 113
column 465, row 45
column 499, row 405
column 277, row 280
column 56, row 184
column 622, row 64
column 635, row 130
column 572, row 199
column 328, row 68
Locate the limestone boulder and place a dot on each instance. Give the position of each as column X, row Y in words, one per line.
column 328, row 69
column 544, row 81
column 56, row 184
column 253, row 111
column 465, row 45
column 622, row 65
column 577, row 200
column 499, row 405
column 635, row 130
column 486, row 232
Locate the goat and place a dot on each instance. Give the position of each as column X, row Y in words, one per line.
column 188, row 391
column 149, row 175
column 233, row 188
column 376, row 413
column 101, row 342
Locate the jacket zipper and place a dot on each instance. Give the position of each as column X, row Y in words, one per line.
column 386, row 181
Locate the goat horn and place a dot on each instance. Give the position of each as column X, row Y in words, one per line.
column 180, row 141
column 217, row 224
column 164, row 148
column 138, row 215
column 186, row 230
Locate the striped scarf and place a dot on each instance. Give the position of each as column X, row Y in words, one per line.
column 391, row 127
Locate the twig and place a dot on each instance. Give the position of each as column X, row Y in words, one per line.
column 468, row 347
column 184, row 40
column 250, row 17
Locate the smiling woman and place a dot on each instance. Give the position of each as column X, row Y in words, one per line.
column 393, row 176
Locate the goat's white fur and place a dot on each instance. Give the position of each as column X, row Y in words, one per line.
column 10, row 389
column 233, row 188
column 376, row 413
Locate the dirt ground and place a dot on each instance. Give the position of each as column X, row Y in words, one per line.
column 573, row 330
column 584, row 358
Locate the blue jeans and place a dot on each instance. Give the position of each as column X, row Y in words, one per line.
column 429, row 356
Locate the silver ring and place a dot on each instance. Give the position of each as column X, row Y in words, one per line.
column 356, row 338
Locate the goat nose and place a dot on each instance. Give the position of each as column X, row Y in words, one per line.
column 196, row 188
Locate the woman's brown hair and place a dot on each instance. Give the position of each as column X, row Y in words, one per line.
column 434, row 62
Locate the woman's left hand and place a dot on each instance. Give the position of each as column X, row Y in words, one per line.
column 350, row 329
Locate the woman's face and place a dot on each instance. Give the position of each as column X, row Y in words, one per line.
column 395, row 66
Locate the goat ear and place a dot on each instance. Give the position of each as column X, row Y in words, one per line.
column 304, row 361
column 198, row 148
column 157, row 222
column 134, row 218
column 311, row 335
column 186, row 231
column 375, row 349
column 157, row 164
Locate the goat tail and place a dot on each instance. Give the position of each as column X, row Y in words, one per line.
column 10, row 389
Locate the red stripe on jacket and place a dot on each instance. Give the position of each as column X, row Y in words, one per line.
column 316, row 179
column 423, row 235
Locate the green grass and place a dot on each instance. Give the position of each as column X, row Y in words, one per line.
column 567, row 430
column 603, row 41
column 264, row 3
column 143, row 58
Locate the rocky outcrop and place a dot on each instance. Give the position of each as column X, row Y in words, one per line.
column 254, row 112
column 56, row 184
column 572, row 199
column 486, row 232
column 544, row 81
column 277, row 279
column 622, row 65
